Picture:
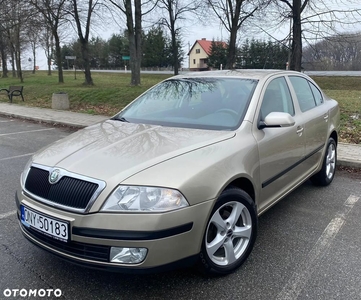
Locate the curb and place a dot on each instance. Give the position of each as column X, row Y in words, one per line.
column 41, row 120
column 348, row 163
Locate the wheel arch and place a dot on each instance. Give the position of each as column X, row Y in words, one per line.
column 244, row 184
column 334, row 135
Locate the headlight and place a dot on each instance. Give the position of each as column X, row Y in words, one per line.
column 143, row 199
column 25, row 172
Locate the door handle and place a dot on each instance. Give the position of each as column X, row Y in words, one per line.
column 299, row 130
column 325, row 117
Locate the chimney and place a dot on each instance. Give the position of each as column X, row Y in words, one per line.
column 203, row 39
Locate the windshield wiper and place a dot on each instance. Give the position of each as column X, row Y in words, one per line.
column 122, row 119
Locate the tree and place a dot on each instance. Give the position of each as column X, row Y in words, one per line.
column 176, row 11
column 4, row 49
column 232, row 14
column 33, row 31
column 314, row 17
column 3, row 53
column 155, row 48
column 118, row 47
column 337, row 52
column 134, row 30
column 84, row 36
column 218, row 55
column 14, row 17
column 54, row 13
column 256, row 54
column 46, row 40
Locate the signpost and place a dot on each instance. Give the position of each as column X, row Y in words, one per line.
column 73, row 58
column 125, row 57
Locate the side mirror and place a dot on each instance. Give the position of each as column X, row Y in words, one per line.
column 277, row 119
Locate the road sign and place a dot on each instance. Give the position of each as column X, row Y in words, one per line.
column 125, row 57
column 70, row 57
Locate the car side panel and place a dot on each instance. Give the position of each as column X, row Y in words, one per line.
column 280, row 151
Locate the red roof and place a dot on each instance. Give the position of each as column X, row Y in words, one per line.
column 206, row 45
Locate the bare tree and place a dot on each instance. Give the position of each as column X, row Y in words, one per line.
column 53, row 12
column 337, row 52
column 20, row 14
column 46, row 40
column 232, row 14
column 176, row 10
column 313, row 19
column 134, row 30
column 32, row 32
column 3, row 41
column 84, row 31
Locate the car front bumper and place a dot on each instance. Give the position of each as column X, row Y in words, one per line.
column 172, row 239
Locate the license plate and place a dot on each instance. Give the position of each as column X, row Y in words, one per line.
column 49, row 226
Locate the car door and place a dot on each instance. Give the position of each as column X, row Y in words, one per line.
column 281, row 149
column 315, row 116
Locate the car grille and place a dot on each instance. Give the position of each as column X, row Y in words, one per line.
column 80, row 250
column 68, row 191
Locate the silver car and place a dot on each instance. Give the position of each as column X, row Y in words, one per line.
column 182, row 173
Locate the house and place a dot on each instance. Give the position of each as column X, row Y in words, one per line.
column 198, row 54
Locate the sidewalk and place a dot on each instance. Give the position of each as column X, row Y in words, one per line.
column 348, row 154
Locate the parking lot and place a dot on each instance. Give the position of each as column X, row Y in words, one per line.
column 308, row 245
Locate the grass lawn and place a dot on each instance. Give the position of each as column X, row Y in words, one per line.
column 109, row 95
column 112, row 92
column 347, row 91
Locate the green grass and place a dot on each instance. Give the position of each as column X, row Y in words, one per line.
column 112, row 92
column 347, row 91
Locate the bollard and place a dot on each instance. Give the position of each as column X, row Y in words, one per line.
column 60, row 101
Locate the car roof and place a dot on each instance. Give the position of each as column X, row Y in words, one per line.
column 241, row 73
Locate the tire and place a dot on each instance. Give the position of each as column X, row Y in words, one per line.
column 230, row 233
column 325, row 176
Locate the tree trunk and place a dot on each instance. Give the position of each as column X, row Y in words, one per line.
column 175, row 53
column 231, row 57
column 85, row 55
column 138, row 40
column 234, row 26
column 174, row 38
column 13, row 70
column 296, row 50
column 34, row 60
column 135, row 38
column 19, row 72
column 58, row 57
column 4, row 63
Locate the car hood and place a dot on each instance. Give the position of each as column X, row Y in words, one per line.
column 116, row 150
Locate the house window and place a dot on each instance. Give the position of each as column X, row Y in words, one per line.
column 198, row 50
column 194, row 61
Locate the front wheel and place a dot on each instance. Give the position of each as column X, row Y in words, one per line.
column 230, row 233
column 326, row 174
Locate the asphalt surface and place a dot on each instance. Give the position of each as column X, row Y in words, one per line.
column 308, row 245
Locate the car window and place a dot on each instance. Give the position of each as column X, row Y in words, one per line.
column 201, row 102
column 316, row 93
column 277, row 98
column 303, row 92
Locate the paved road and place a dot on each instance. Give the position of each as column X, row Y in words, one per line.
column 308, row 245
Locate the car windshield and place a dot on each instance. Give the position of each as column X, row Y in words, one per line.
column 202, row 103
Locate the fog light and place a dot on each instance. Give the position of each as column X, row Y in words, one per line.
column 127, row 255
